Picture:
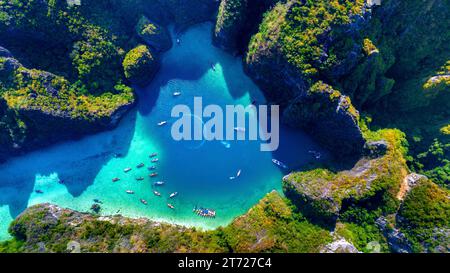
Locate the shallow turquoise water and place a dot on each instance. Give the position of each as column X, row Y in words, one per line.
column 198, row 171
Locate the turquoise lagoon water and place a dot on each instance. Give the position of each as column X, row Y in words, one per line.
column 198, row 171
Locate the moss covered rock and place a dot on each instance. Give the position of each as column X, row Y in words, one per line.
column 140, row 65
column 424, row 217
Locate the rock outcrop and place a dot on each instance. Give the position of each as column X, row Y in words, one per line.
column 38, row 108
column 330, row 117
column 339, row 245
column 323, row 195
column 154, row 35
column 140, row 65
column 237, row 21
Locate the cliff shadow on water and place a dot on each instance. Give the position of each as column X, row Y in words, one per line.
column 72, row 164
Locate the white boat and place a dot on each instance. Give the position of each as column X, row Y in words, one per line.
column 176, row 94
column 172, row 195
column 129, row 192
column 170, row 206
column 162, row 123
column 316, row 154
column 232, row 177
column 226, row 144
column 279, row 163
column 127, row 170
column 239, row 129
column 158, row 183
column 238, row 173
column 156, row 193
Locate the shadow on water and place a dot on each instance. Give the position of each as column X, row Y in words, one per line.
column 73, row 164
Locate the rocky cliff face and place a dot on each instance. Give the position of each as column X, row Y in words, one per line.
column 236, row 21
column 329, row 116
column 290, row 53
column 323, row 195
column 36, row 110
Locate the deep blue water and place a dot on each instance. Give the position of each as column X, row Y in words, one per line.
column 198, row 170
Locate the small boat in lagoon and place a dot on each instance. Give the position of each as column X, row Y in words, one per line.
column 151, row 168
column 115, row 179
column 153, row 175
column 153, row 155
column 171, row 206
column 140, row 178
column 172, row 195
column 127, row 170
column 239, row 129
column 144, row 202
column 316, row 154
column 39, row 191
column 97, row 201
column 129, row 191
column 279, row 163
column 140, row 165
column 158, row 183
column 237, row 175
column 162, row 123
column 226, row 144
column 176, row 94
column 155, row 160
column 156, row 193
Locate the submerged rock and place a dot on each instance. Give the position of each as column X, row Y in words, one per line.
column 153, row 34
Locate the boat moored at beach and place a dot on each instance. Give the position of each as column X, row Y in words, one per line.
column 204, row 212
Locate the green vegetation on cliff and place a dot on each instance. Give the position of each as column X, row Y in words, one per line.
column 140, row 65
column 425, row 217
column 270, row 226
